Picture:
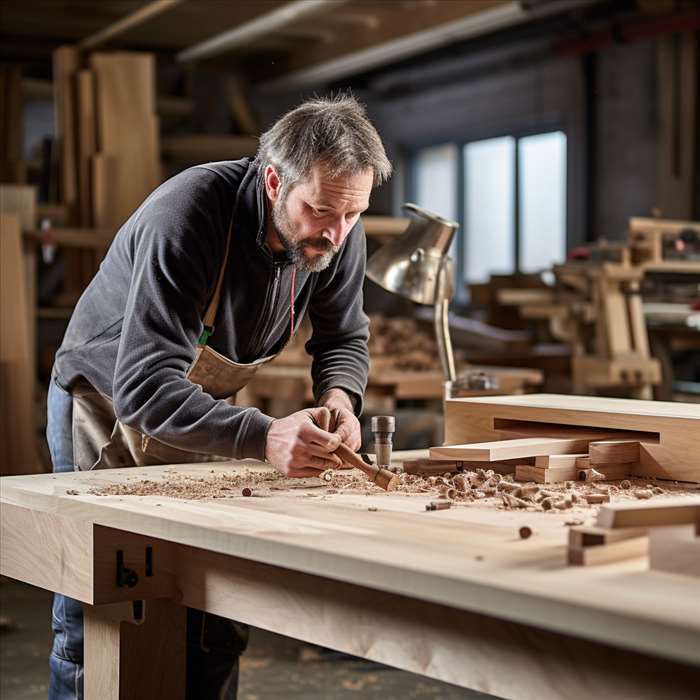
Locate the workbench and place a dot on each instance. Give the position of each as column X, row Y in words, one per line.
column 454, row 594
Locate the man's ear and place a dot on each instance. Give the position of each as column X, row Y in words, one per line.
column 273, row 183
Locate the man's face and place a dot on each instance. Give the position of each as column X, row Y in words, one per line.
column 313, row 218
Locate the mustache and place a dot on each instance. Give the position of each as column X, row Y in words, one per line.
column 320, row 243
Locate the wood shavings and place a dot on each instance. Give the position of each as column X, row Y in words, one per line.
column 469, row 488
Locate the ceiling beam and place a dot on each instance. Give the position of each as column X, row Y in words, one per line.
column 397, row 49
column 143, row 14
column 255, row 29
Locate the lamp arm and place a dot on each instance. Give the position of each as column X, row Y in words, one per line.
column 442, row 323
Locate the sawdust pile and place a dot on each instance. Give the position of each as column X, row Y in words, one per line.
column 196, row 488
column 480, row 486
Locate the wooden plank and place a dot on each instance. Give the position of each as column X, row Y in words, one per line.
column 670, row 451
column 198, row 148
column 545, row 475
column 553, row 461
column 508, row 449
column 18, row 454
column 87, row 147
column 65, row 64
column 679, row 511
column 84, row 237
column 613, row 452
column 21, row 201
column 127, row 129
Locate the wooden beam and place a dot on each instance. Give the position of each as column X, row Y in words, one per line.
column 200, row 147
column 140, row 16
column 257, row 28
column 677, row 511
column 508, row 449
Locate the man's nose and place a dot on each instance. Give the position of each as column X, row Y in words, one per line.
column 337, row 231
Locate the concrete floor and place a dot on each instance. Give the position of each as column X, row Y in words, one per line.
column 273, row 667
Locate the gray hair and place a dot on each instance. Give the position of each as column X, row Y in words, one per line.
column 334, row 132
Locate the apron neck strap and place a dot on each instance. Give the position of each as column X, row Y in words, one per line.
column 210, row 314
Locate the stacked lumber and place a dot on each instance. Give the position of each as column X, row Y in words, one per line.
column 107, row 142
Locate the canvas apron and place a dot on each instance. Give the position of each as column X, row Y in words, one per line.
column 100, row 441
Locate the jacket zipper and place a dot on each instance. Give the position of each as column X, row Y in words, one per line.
column 267, row 315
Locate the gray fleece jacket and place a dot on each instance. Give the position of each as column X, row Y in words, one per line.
column 135, row 328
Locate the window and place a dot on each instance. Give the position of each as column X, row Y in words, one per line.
column 511, row 203
column 489, row 182
column 542, row 215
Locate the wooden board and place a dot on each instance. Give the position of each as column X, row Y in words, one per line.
column 127, row 129
column 545, row 475
column 553, row 461
column 467, row 558
column 508, row 449
column 65, row 64
column 679, row 511
column 669, row 448
column 18, row 451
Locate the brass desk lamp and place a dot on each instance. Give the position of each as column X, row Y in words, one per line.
column 417, row 266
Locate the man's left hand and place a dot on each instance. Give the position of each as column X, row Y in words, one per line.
column 344, row 422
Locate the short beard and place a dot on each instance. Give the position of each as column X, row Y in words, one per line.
column 295, row 247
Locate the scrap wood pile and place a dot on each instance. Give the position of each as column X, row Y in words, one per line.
column 402, row 343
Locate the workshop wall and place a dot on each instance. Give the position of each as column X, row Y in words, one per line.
column 626, row 136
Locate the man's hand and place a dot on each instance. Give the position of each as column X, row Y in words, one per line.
column 298, row 447
column 343, row 422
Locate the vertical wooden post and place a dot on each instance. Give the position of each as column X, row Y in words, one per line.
column 135, row 650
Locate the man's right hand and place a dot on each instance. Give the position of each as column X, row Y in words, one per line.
column 298, row 447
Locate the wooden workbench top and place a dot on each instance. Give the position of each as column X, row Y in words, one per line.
column 467, row 557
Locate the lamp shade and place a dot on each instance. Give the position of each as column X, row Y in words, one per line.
column 409, row 265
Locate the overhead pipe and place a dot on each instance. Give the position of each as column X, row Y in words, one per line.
column 627, row 32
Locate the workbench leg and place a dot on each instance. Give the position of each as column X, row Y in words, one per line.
column 135, row 650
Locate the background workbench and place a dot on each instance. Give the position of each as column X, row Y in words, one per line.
column 454, row 595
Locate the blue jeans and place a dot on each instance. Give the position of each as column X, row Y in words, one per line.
column 213, row 643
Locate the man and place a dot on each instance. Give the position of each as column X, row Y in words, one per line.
column 203, row 284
